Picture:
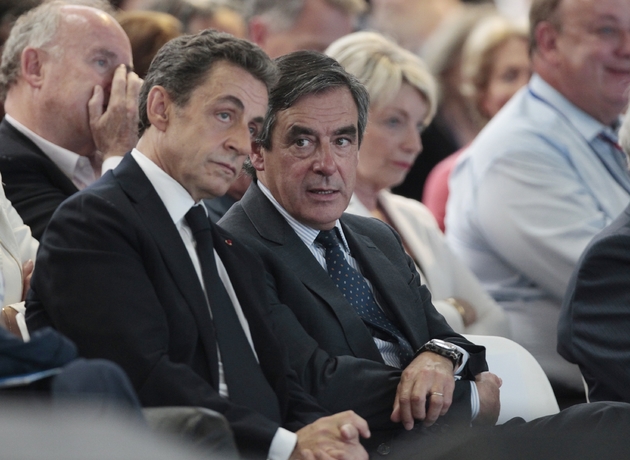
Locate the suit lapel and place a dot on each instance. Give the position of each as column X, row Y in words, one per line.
column 390, row 288
column 60, row 179
column 158, row 222
column 289, row 248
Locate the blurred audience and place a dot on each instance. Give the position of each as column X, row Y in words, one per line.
column 148, row 31
column 546, row 174
column 282, row 26
column 595, row 316
column 403, row 99
column 71, row 103
column 197, row 15
column 495, row 64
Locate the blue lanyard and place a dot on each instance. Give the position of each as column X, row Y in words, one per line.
column 618, row 173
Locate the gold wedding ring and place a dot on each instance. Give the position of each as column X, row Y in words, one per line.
column 435, row 393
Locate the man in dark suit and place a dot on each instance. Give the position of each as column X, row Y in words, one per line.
column 305, row 164
column 594, row 324
column 125, row 270
column 71, row 105
column 347, row 339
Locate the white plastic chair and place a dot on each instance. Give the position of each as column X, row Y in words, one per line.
column 526, row 391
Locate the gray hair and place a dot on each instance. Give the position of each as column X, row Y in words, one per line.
column 282, row 14
column 542, row 11
column 36, row 29
column 184, row 63
column 304, row 73
column 383, row 66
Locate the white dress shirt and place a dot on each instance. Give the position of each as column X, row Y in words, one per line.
column 178, row 202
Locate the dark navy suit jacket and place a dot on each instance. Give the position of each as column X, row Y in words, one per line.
column 113, row 275
column 32, row 182
column 594, row 324
column 330, row 348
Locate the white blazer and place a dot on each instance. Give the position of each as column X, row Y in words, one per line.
column 17, row 245
column 444, row 275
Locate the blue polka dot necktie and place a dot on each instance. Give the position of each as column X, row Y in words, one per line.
column 355, row 289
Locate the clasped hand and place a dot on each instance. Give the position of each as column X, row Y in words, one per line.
column 336, row 437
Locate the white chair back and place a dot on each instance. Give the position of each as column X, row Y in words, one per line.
column 526, row 391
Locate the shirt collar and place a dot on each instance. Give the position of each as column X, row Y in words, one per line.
column 307, row 234
column 65, row 160
column 175, row 197
column 583, row 122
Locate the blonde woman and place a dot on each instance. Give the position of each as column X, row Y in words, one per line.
column 495, row 65
column 402, row 102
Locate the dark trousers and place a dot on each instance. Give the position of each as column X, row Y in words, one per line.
column 584, row 431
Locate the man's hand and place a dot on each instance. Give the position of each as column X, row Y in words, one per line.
column 488, row 386
column 428, row 376
column 115, row 130
column 27, row 272
column 333, row 437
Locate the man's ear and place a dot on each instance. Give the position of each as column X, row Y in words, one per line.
column 256, row 157
column 32, row 66
column 547, row 41
column 159, row 107
column 258, row 31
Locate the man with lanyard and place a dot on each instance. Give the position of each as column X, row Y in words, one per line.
column 546, row 175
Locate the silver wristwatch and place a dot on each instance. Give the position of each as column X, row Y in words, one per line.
column 442, row 348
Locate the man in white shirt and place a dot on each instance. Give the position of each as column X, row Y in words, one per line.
column 545, row 175
column 71, row 105
column 126, row 272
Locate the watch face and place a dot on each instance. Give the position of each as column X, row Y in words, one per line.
column 444, row 344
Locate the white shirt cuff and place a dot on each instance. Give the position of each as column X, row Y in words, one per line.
column 282, row 445
column 474, row 394
column 465, row 357
column 474, row 401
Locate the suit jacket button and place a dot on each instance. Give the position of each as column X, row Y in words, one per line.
column 383, row 449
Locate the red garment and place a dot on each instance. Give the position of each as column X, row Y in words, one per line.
column 435, row 192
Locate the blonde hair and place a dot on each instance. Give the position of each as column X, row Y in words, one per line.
column 383, row 66
column 478, row 57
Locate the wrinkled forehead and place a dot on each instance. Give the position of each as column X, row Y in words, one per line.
column 322, row 112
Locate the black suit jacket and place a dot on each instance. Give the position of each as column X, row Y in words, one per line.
column 330, row 348
column 594, row 323
column 32, row 182
column 113, row 274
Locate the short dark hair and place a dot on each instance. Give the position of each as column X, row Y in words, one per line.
column 541, row 11
column 303, row 73
column 183, row 64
